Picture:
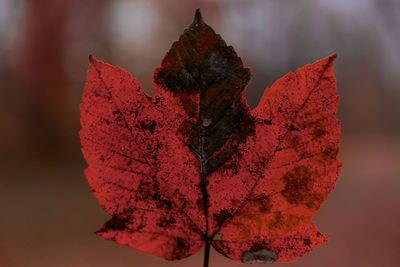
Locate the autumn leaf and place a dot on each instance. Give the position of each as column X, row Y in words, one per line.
column 193, row 165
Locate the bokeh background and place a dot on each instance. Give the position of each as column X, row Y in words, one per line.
column 47, row 212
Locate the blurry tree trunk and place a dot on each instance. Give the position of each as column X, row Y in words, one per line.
column 36, row 65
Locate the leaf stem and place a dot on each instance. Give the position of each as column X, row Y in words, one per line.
column 206, row 254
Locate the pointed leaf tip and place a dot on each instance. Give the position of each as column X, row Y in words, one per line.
column 333, row 57
column 198, row 17
column 91, row 59
column 330, row 60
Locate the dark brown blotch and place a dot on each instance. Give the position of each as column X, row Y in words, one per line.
column 294, row 142
column 222, row 216
column 318, row 127
column 264, row 205
column 315, row 201
column 298, row 185
column 148, row 125
column 319, row 131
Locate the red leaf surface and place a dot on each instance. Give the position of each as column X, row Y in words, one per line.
column 193, row 165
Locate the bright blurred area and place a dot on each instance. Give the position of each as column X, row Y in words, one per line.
column 48, row 214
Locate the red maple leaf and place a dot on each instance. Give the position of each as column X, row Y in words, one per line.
column 193, row 165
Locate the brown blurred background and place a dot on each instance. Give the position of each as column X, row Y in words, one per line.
column 47, row 212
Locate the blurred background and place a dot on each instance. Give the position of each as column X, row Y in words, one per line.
column 48, row 214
